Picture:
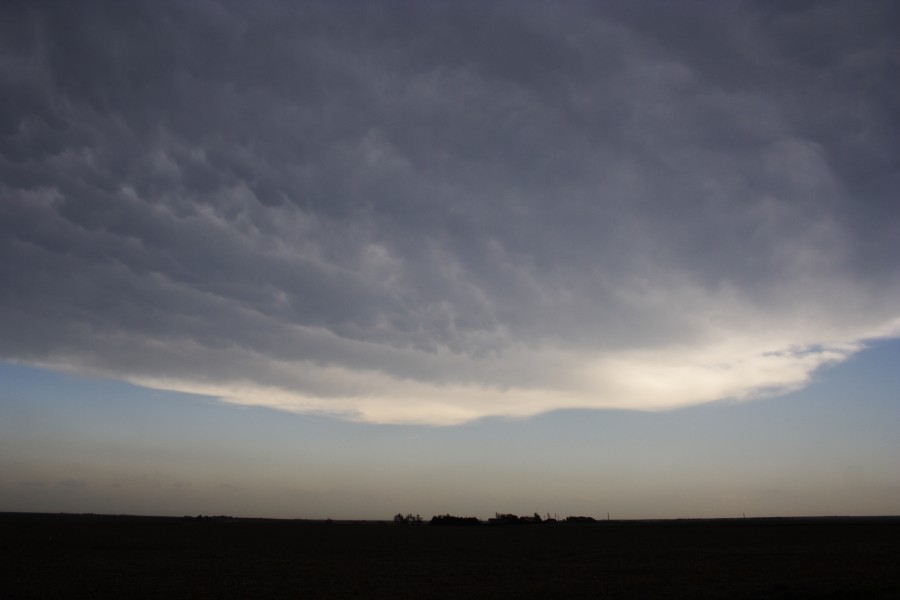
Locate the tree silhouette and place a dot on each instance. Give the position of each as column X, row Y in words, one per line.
column 409, row 519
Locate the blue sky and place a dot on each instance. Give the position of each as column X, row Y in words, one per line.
column 326, row 259
column 76, row 444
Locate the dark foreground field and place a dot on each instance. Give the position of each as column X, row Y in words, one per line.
column 65, row 556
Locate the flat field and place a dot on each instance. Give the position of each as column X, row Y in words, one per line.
column 71, row 556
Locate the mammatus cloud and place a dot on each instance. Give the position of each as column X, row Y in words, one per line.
column 436, row 213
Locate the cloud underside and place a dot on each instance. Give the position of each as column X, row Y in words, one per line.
column 442, row 213
column 663, row 380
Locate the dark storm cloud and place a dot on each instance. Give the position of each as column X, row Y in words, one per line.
column 344, row 201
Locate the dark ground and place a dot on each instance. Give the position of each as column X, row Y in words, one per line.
column 69, row 556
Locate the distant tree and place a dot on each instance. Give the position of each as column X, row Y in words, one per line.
column 505, row 519
column 512, row 519
column 580, row 520
column 453, row 520
column 409, row 519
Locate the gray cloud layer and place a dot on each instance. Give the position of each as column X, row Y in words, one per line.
column 431, row 212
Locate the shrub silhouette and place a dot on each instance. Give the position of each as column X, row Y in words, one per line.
column 511, row 519
column 410, row 519
column 581, row 520
column 442, row 520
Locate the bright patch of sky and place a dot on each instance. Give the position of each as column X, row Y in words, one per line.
column 86, row 445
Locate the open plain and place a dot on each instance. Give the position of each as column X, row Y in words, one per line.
column 56, row 556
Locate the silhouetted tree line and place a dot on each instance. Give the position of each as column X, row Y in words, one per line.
column 452, row 520
column 410, row 519
column 580, row 520
column 511, row 519
column 498, row 519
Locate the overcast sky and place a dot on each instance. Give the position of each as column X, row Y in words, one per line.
column 429, row 213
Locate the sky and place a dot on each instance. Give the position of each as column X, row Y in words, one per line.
column 318, row 259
